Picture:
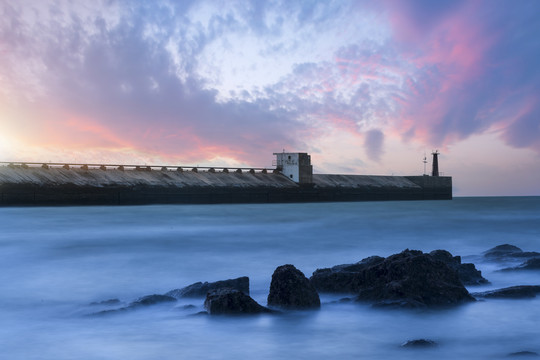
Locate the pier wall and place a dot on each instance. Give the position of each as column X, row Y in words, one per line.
column 56, row 186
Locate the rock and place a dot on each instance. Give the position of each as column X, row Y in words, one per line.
column 412, row 279
column 144, row 301
column 152, row 300
column 508, row 252
column 502, row 250
column 513, row 292
column 342, row 278
column 419, row 343
column 468, row 274
column 531, row 264
column 109, row 302
column 524, row 353
column 200, row 289
column 232, row 302
column 290, row 289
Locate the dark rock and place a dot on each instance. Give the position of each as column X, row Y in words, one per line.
column 342, row 278
column 419, row 343
column 531, row 264
column 468, row 274
column 290, row 289
column 110, row 312
column 412, row 279
column 513, row 292
column 109, row 302
column 200, row 313
column 152, row 300
column 524, row 353
column 200, row 289
column 502, row 250
column 144, row 301
column 232, row 302
column 509, row 252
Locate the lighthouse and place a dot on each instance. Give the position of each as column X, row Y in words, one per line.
column 435, row 169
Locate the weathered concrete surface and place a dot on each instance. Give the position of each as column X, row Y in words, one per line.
column 58, row 186
column 112, row 177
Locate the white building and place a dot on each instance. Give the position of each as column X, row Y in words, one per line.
column 296, row 166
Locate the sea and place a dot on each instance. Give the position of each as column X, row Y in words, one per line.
column 59, row 264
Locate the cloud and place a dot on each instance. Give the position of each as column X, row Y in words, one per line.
column 196, row 80
column 373, row 144
column 470, row 75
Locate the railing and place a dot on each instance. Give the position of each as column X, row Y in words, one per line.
column 123, row 167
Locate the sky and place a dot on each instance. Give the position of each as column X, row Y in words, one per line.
column 365, row 87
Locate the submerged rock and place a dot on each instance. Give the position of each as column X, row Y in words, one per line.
column 232, row 302
column 110, row 302
column 200, row 289
column 508, row 252
column 290, row 289
column 531, row 264
column 468, row 274
column 152, row 300
column 513, row 292
column 141, row 302
column 524, row 353
column 342, row 278
column 419, row 343
column 412, row 279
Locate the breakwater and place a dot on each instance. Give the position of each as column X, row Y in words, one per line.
column 30, row 186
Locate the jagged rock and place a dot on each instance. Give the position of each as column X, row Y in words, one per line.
column 412, row 279
column 508, row 252
column 419, row 343
column 232, row 302
column 342, row 278
column 152, row 300
column 513, row 292
column 290, row 289
column 200, row 289
column 468, row 274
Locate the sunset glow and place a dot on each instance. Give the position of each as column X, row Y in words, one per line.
column 366, row 87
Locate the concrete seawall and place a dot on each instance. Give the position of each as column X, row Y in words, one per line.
column 57, row 186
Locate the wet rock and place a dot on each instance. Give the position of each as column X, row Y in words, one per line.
column 200, row 289
column 513, row 292
column 290, row 289
column 342, row 278
column 412, row 279
column 508, row 252
column 110, row 302
column 152, row 300
column 524, row 353
column 141, row 302
column 232, row 302
column 419, row 343
column 468, row 274
column 531, row 264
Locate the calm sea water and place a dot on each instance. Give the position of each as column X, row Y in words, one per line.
column 55, row 261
